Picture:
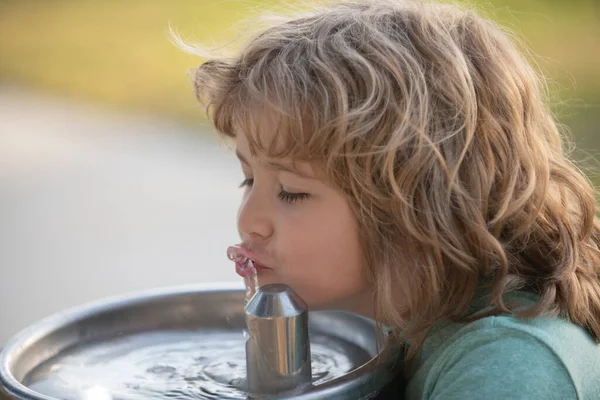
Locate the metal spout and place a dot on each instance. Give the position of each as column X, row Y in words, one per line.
column 278, row 350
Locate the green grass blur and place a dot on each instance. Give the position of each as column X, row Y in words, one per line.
column 118, row 53
column 113, row 52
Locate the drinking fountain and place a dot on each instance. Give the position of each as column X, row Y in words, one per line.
column 200, row 342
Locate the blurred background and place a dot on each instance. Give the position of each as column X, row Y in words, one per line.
column 111, row 181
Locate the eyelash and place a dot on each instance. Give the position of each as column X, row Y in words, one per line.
column 283, row 195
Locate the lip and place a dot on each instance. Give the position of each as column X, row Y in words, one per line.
column 238, row 251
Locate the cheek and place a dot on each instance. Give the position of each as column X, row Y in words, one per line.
column 321, row 257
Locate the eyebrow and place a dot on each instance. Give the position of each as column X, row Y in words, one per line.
column 276, row 166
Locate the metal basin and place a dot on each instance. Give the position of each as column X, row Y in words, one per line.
column 183, row 322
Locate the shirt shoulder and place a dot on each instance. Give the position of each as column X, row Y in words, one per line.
column 509, row 358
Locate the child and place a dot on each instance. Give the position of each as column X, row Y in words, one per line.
column 400, row 162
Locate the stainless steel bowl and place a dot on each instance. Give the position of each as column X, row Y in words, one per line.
column 189, row 308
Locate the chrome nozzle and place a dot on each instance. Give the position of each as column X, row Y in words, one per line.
column 278, row 350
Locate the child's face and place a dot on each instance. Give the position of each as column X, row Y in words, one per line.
column 304, row 232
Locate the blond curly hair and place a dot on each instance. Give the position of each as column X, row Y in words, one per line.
column 435, row 126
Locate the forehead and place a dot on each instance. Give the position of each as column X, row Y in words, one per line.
column 258, row 132
column 268, row 134
column 286, row 164
column 273, row 133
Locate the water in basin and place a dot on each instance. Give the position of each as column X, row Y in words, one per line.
column 172, row 365
column 184, row 364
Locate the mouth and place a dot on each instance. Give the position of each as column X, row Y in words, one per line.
column 245, row 261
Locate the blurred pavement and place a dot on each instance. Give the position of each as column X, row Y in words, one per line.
column 95, row 204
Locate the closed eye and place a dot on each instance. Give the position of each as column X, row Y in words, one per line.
column 247, row 182
column 292, row 198
column 288, row 197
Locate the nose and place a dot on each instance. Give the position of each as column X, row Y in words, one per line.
column 254, row 219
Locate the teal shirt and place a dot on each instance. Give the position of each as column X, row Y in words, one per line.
column 503, row 357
